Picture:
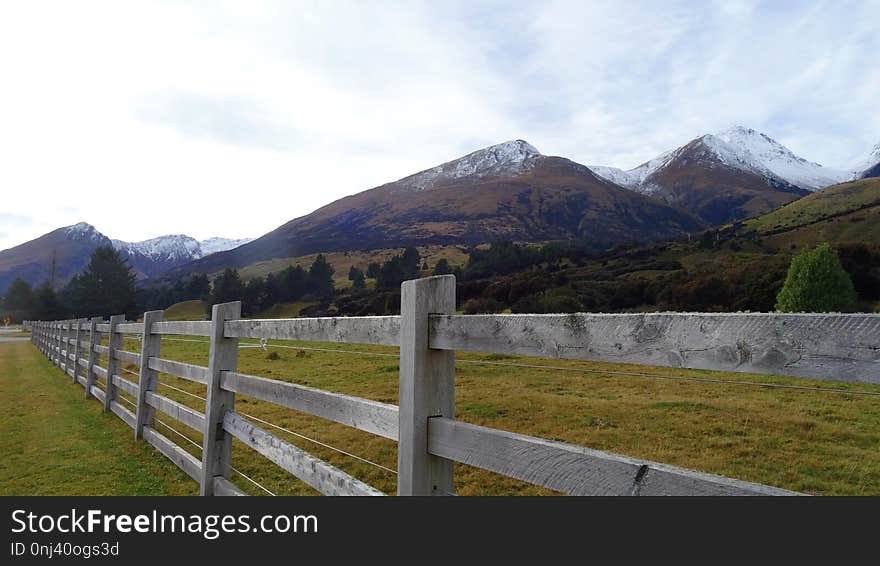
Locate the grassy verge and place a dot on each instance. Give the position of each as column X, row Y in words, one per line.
column 53, row 442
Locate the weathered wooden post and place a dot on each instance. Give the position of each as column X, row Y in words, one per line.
column 217, row 444
column 113, row 365
column 94, row 340
column 151, row 346
column 68, row 332
column 427, row 386
column 76, row 348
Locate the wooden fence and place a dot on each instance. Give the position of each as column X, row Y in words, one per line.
column 834, row 346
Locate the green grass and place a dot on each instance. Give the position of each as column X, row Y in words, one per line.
column 187, row 310
column 54, row 442
column 815, row 442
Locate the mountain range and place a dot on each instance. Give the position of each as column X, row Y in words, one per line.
column 507, row 191
column 62, row 253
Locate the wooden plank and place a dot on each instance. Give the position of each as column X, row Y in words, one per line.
column 127, row 416
column 427, row 387
column 843, row 347
column 114, row 341
column 574, row 470
column 96, row 392
column 191, row 372
column 355, row 330
column 151, row 345
column 320, row 475
column 183, row 459
column 128, row 386
column 70, row 373
column 131, row 328
column 76, row 350
column 224, row 487
column 80, row 379
column 183, row 327
column 99, row 349
column 127, row 357
column 84, row 362
column 362, row 414
column 100, row 372
column 178, row 411
column 103, row 327
column 223, row 356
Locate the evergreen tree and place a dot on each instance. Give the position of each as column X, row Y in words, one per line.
column 104, row 288
column 410, row 263
column 292, row 284
column 321, row 277
column 442, row 267
column 18, row 300
column 356, row 276
column 198, row 287
column 46, row 305
column 816, row 282
column 253, row 296
column 373, row 270
column 227, row 288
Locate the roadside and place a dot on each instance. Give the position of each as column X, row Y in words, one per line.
column 52, row 442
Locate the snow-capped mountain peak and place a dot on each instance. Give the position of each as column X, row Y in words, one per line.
column 215, row 244
column 760, row 151
column 82, row 231
column 177, row 248
column 739, row 148
column 868, row 167
column 170, row 248
column 510, row 157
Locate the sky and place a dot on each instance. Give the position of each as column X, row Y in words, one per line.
column 232, row 118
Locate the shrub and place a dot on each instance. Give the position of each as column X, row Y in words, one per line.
column 816, row 282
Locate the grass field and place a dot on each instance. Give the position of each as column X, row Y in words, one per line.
column 815, row 442
column 53, row 442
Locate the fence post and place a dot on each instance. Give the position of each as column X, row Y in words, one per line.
column 217, row 444
column 113, row 365
column 68, row 332
column 151, row 346
column 94, row 340
column 79, row 323
column 59, row 327
column 427, row 386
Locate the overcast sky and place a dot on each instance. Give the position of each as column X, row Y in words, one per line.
column 231, row 118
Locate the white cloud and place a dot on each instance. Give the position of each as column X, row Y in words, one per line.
column 155, row 118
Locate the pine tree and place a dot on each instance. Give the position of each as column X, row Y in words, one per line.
column 227, row 288
column 104, row 288
column 816, row 282
column 357, row 278
column 442, row 267
column 46, row 305
column 321, row 277
column 18, row 300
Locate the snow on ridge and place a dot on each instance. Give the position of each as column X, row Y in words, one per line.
column 217, row 244
column 738, row 147
column 863, row 165
column 761, row 151
column 510, row 157
column 172, row 247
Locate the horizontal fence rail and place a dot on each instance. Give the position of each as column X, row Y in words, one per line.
column 842, row 347
column 836, row 346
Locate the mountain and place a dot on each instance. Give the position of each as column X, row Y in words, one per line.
column 726, row 176
column 505, row 191
column 62, row 253
column 869, row 167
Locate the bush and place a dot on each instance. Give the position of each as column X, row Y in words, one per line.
column 816, row 282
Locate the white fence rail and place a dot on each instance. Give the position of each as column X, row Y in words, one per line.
column 843, row 347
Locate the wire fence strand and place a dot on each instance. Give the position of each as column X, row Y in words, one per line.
column 319, row 443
